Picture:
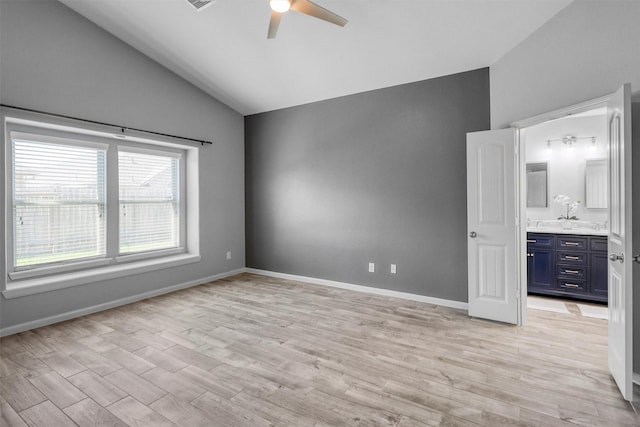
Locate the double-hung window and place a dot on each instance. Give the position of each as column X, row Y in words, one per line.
column 84, row 204
column 149, row 197
column 59, row 200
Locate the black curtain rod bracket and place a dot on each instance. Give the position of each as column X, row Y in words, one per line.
column 122, row 128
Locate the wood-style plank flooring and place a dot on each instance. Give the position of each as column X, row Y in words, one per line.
column 258, row 351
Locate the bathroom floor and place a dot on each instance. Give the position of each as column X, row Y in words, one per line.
column 565, row 306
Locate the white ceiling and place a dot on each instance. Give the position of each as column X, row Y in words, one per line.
column 224, row 50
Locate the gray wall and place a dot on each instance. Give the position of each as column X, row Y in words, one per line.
column 53, row 59
column 586, row 51
column 589, row 49
column 635, row 132
column 377, row 176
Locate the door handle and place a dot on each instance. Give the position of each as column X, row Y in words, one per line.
column 616, row 257
column 473, row 234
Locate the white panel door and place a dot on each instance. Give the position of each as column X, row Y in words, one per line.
column 620, row 255
column 491, row 225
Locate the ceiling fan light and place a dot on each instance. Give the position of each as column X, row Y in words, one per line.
column 280, row 6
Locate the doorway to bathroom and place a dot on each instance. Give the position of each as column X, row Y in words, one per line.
column 497, row 230
column 575, row 253
column 567, row 217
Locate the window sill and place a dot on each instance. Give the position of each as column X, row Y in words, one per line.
column 39, row 285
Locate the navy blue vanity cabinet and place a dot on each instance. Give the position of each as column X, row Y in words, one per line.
column 541, row 264
column 572, row 265
column 567, row 265
column 598, row 263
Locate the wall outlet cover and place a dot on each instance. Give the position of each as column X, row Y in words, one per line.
column 372, row 267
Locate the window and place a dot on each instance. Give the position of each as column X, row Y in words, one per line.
column 149, row 201
column 58, row 201
column 88, row 203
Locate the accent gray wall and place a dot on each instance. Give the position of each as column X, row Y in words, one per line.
column 55, row 60
column 373, row 177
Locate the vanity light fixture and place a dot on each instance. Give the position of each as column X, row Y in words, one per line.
column 570, row 140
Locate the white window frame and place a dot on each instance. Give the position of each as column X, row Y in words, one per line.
column 43, row 278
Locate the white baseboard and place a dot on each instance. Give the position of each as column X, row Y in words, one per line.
column 111, row 304
column 361, row 288
column 636, row 378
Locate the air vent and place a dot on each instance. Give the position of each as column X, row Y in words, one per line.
column 200, row 4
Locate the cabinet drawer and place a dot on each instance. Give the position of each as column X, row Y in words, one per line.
column 542, row 241
column 572, row 271
column 599, row 245
column 575, row 286
column 579, row 243
column 577, row 258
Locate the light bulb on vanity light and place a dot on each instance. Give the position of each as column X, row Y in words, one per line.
column 569, row 141
column 280, row 6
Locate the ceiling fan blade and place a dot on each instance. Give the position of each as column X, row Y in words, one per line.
column 309, row 8
column 274, row 23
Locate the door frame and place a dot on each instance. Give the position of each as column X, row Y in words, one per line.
column 521, row 185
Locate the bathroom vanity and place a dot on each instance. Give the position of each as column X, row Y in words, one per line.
column 568, row 263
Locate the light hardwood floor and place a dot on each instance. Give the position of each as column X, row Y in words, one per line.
column 258, row 351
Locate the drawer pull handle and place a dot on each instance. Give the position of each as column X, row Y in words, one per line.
column 572, row 271
column 571, row 285
column 532, row 241
column 572, row 257
column 572, row 243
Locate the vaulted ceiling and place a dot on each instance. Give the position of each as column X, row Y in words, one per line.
column 223, row 48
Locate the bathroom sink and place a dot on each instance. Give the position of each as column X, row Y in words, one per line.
column 567, row 227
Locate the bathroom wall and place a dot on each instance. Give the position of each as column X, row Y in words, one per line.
column 566, row 165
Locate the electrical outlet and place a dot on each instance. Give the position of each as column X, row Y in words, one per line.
column 228, row 255
column 394, row 269
column 372, row 267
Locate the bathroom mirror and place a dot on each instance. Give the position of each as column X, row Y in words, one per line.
column 537, row 185
column 596, row 184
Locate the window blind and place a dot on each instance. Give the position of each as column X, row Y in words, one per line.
column 58, row 193
column 149, row 201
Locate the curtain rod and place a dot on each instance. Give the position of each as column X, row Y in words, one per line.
column 122, row 128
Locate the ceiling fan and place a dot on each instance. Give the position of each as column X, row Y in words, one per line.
column 279, row 7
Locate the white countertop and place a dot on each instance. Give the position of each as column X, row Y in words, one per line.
column 559, row 230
